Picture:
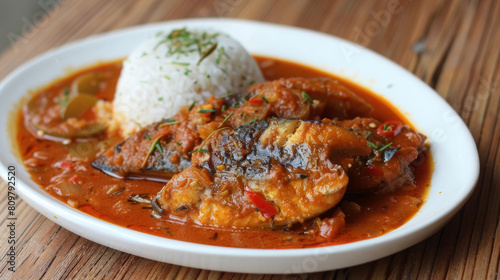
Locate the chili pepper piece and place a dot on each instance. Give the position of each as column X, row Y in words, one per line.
column 390, row 128
column 256, row 100
column 266, row 208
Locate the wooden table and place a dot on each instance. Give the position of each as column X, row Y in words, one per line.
column 451, row 45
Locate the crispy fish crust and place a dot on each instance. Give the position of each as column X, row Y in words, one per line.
column 298, row 167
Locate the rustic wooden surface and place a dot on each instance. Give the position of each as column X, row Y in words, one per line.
column 451, row 45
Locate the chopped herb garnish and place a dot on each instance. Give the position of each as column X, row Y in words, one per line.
column 168, row 122
column 176, row 32
column 250, row 122
column 265, row 100
column 223, row 70
column 178, row 143
column 166, row 77
column 182, row 42
column 252, row 82
column 147, row 136
column 225, row 119
column 229, row 93
column 236, row 105
column 181, row 63
column 191, row 106
column 307, row 97
column 224, row 53
column 158, row 146
column 198, row 150
column 207, row 53
column 368, row 135
column 389, row 85
column 66, row 97
column 223, row 107
column 220, row 53
column 206, row 111
column 159, row 43
column 160, row 98
column 385, row 147
column 373, row 146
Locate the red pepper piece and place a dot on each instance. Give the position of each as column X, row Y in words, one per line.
column 266, row 208
column 390, row 128
column 374, row 171
column 256, row 100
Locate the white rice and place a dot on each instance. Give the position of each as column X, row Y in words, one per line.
column 156, row 81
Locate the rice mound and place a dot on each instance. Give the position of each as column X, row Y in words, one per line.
column 167, row 72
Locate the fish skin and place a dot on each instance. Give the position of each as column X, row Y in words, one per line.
column 299, row 166
column 126, row 160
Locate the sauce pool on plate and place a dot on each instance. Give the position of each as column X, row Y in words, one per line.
column 124, row 201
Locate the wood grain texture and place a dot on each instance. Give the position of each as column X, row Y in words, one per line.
column 451, row 45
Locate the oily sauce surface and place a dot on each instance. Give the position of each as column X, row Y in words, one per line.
column 107, row 198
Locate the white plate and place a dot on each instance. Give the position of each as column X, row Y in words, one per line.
column 455, row 155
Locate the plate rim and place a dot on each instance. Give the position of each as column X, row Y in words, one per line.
column 30, row 195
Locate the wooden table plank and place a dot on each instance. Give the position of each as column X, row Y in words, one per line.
column 451, row 45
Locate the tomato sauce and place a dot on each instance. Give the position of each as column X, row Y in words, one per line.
column 108, row 198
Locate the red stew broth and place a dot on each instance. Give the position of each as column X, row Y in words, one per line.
column 101, row 195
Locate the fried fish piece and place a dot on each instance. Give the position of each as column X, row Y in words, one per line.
column 160, row 150
column 393, row 151
column 330, row 98
column 270, row 172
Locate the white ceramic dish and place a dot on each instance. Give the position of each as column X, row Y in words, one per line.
column 455, row 155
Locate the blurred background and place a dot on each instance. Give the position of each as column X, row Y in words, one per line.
column 18, row 16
